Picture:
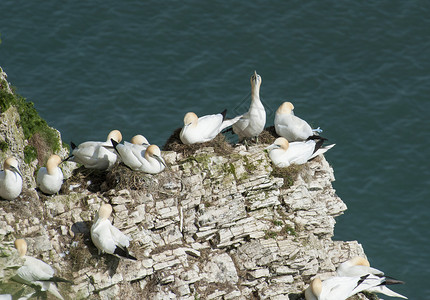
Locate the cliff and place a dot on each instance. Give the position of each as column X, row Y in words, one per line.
column 214, row 225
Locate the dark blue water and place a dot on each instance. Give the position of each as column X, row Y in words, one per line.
column 358, row 69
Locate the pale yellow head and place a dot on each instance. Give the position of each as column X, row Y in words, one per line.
column 52, row 163
column 190, row 118
column 10, row 163
column 316, row 286
column 359, row 261
column 139, row 140
column 285, row 108
column 282, row 143
column 153, row 150
column 21, row 246
column 116, row 135
column 105, row 211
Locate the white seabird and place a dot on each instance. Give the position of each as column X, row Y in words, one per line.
column 10, row 179
column 252, row 123
column 106, row 237
column 131, row 153
column 50, row 178
column 148, row 161
column 36, row 272
column 204, row 129
column 138, row 142
column 282, row 153
column 290, row 126
column 96, row 155
column 340, row 288
column 359, row 266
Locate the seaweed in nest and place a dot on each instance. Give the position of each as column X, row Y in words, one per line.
column 122, row 177
column 220, row 145
column 268, row 135
column 289, row 174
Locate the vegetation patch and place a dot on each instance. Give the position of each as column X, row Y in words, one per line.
column 289, row 174
column 31, row 124
column 4, row 146
column 30, row 154
column 268, row 234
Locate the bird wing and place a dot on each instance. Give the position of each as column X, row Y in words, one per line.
column 292, row 127
column 210, row 125
column 34, row 269
column 102, row 237
column 121, row 240
column 129, row 155
column 300, row 152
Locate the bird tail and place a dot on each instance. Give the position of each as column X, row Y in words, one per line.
column 73, row 146
column 54, row 291
column 124, row 253
column 321, row 150
column 224, row 113
column 227, row 123
column 58, row 279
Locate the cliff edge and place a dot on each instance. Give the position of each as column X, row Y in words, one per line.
column 212, row 226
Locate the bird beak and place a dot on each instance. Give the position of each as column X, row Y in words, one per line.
column 18, row 171
column 159, row 159
column 273, row 146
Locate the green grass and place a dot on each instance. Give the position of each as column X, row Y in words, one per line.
column 31, row 123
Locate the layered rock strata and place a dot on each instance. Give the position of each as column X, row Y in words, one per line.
column 210, row 226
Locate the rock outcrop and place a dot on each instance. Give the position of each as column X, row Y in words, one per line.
column 210, row 226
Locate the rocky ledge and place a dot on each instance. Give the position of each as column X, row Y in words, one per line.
column 211, row 226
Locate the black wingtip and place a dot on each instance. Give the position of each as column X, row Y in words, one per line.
column 58, row 279
column 224, row 113
column 316, row 137
column 114, row 143
column 124, row 253
column 73, row 145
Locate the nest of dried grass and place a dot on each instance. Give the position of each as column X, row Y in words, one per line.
column 220, row 145
column 90, row 179
column 122, row 177
column 268, row 135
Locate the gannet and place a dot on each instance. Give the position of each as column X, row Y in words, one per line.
column 10, row 180
column 252, row 123
column 106, row 237
column 96, row 155
column 50, row 179
column 340, row 288
column 148, row 161
column 359, row 266
column 36, row 272
column 138, row 142
column 131, row 153
column 282, row 153
column 290, row 126
column 204, row 129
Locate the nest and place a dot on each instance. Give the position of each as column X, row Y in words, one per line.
column 90, row 179
column 220, row 145
column 268, row 135
column 122, row 177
